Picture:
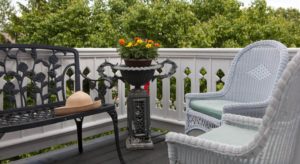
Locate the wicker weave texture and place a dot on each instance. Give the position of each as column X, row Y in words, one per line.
column 274, row 143
column 250, row 81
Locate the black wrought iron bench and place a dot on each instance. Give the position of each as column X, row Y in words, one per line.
column 35, row 81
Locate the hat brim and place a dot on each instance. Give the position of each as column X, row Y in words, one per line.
column 70, row 110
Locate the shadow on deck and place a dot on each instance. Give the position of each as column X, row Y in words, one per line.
column 103, row 151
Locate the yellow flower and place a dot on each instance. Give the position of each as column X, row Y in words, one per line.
column 139, row 41
column 148, row 45
column 129, row 44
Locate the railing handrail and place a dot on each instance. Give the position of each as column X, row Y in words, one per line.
column 173, row 52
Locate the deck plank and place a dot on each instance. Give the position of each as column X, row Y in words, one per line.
column 103, row 151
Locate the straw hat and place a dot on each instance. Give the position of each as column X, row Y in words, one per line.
column 78, row 102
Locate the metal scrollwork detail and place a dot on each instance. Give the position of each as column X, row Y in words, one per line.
column 36, row 83
column 108, row 82
column 101, row 70
column 171, row 71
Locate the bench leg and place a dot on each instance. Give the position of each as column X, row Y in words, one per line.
column 79, row 133
column 114, row 116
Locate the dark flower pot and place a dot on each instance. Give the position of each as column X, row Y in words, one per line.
column 137, row 62
column 137, row 78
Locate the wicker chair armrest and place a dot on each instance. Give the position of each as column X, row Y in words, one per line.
column 208, row 95
column 253, row 109
column 206, row 145
column 241, row 120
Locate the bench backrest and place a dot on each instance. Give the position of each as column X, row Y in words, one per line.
column 37, row 75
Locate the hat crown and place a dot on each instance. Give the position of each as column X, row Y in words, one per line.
column 79, row 99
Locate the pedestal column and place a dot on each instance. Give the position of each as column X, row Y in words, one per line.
column 138, row 116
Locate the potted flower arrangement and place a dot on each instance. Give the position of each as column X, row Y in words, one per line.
column 138, row 52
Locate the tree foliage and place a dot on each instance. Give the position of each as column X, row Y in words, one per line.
column 174, row 23
column 6, row 11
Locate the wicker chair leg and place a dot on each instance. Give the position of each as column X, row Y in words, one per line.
column 79, row 133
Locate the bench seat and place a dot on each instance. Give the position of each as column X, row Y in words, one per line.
column 13, row 120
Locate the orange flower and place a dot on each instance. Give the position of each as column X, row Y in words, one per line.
column 122, row 42
column 150, row 41
column 137, row 38
column 137, row 47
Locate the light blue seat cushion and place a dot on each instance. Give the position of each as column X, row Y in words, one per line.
column 232, row 135
column 213, row 108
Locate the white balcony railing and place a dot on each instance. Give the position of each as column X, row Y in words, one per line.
column 164, row 110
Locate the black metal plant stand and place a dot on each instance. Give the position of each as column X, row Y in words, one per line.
column 138, row 101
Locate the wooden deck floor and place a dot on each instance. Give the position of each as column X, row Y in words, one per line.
column 103, row 151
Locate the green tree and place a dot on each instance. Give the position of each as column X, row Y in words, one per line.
column 207, row 9
column 6, row 11
column 103, row 32
column 256, row 22
column 54, row 22
column 175, row 23
column 170, row 22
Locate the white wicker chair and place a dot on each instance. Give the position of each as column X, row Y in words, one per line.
column 248, row 140
column 247, row 90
